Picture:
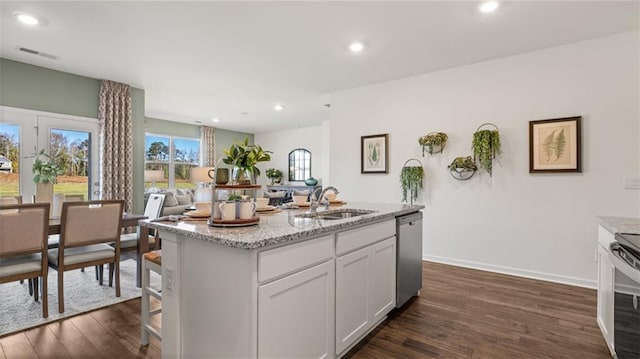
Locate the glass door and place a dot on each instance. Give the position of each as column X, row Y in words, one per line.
column 17, row 141
column 74, row 146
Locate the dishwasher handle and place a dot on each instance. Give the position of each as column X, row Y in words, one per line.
column 410, row 219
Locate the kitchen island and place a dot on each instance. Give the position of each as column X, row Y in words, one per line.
column 287, row 287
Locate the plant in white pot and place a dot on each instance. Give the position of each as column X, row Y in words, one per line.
column 45, row 174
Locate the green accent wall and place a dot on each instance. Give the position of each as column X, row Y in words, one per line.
column 38, row 88
column 163, row 127
column 41, row 89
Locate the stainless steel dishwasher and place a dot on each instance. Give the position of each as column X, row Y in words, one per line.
column 409, row 257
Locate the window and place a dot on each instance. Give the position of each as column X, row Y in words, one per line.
column 9, row 159
column 299, row 164
column 174, row 156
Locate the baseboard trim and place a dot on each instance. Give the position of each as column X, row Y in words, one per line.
column 579, row 282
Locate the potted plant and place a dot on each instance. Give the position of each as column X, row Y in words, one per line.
column 411, row 180
column 433, row 142
column 486, row 145
column 244, row 157
column 275, row 175
column 462, row 168
column 45, row 175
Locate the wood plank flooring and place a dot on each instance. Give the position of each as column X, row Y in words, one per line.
column 462, row 313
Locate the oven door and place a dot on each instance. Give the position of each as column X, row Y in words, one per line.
column 626, row 306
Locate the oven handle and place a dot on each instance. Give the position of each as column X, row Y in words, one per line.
column 621, row 264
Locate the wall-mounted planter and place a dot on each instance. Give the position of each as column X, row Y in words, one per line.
column 486, row 145
column 462, row 168
column 433, row 142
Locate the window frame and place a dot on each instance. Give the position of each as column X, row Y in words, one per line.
column 171, row 163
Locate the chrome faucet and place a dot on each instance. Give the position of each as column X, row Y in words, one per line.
column 317, row 201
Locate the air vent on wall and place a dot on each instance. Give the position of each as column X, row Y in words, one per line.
column 35, row 52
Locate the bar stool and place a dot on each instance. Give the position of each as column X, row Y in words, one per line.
column 151, row 261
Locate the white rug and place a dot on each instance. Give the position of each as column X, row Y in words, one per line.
column 82, row 293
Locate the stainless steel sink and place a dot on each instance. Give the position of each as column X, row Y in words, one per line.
column 335, row 214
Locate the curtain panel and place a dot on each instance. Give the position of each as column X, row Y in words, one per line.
column 208, row 140
column 116, row 160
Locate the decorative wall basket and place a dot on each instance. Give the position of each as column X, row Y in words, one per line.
column 433, row 142
column 486, row 145
column 411, row 180
column 462, row 168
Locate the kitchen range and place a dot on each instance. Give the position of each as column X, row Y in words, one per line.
column 619, row 285
column 298, row 284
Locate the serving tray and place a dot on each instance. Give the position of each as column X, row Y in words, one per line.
column 234, row 222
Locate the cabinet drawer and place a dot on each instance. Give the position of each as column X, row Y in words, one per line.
column 275, row 262
column 363, row 236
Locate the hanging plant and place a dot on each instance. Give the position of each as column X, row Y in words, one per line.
column 486, row 145
column 433, row 142
column 411, row 180
column 462, row 168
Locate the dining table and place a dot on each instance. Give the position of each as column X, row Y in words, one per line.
column 128, row 220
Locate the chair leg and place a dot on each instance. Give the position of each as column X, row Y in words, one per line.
column 101, row 273
column 82, row 269
column 45, row 295
column 146, row 304
column 110, row 274
column 117, row 265
column 60, row 291
column 30, row 284
column 97, row 276
column 35, row 288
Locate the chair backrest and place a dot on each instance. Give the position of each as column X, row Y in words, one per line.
column 90, row 222
column 73, row 197
column 24, row 228
column 10, row 200
column 154, row 206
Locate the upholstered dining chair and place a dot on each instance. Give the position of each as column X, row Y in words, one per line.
column 86, row 229
column 23, row 245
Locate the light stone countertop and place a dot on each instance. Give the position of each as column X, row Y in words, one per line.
column 621, row 224
column 281, row 227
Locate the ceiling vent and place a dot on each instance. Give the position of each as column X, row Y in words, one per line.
column 38, row 53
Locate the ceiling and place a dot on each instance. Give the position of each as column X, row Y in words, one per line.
column 235, row 60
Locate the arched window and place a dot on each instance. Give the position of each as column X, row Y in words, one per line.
column 299, row 164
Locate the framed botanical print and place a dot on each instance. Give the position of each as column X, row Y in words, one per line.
column 555, row 145
column 374, row 154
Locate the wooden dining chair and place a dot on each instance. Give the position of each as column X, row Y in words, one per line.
column 23, row 246
column 86, row 229
column 151, row 211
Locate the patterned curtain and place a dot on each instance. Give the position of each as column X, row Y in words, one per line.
column 208, row 140
column 116, row 160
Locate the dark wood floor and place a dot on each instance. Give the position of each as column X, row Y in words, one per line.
column 462, row 313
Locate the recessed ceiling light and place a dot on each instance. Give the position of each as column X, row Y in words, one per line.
column 488, row 6
column 278, row 107
column 215, row 119
column 356, row 47
column 25, row 18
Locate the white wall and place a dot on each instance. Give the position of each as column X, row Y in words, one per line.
column 283, row 142
column 541, row 225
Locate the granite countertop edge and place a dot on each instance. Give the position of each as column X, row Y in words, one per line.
column 268, row 234
column 620, row 224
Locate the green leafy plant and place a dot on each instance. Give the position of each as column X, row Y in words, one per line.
column 234, row 197
column 486, row 145
column 275, row 175
column 45, row 169
column 465, row 163
column 554, row 145
column 245, row 156
column 411, row 181
column 433, row 140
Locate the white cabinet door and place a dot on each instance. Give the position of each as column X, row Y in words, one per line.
column 296, row 315
column 383, row 279
column 352, row 297
column 606, row 273
column 365, row 290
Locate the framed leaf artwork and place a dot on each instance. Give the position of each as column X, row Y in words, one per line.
column 554, row 145
column 374, row 154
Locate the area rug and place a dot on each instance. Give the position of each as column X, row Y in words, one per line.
column 82, row 293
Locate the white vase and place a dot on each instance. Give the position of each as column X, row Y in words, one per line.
column 44, row 192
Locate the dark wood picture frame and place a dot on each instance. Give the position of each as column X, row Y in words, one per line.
column 374, row 154
column 555, row 145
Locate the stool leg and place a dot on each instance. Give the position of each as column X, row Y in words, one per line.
column 146, row 305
